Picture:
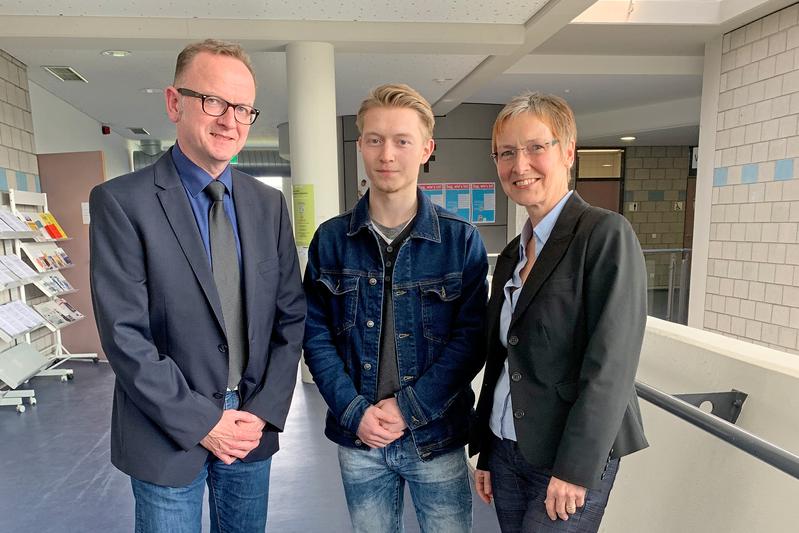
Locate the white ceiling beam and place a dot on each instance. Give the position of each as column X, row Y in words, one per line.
column 265, row 35
column 653, row 117
column 547, row 21
column 651, row 12
column 609, row 65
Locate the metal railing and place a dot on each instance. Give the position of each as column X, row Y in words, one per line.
column 753, row 445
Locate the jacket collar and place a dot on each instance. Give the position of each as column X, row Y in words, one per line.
column 425, row 224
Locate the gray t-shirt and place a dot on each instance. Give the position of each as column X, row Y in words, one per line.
column 390, row 240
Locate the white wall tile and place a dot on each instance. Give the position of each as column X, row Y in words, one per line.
column 748, row 309
column 788, row 17
column 725, row 287
column 770, row 333
column 776, row 253
column 771, row 24
column 784, row 62
column 780, row 315
column 744, row 253
column 753, row 329
column 765, row 71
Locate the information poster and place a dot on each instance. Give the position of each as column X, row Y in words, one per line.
column 484, row 203
column 304, row 214
column 458, row 199
column 434, row 191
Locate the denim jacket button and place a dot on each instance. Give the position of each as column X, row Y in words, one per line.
column 372, row 281
column 370, row 323
column 389, row 248
column 367, row 366
column 358, row 442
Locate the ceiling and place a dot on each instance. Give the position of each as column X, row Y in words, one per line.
column 458, row 51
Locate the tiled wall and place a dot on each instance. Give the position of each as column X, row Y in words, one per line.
column 655, row 179
column 753, row 261
column 18, row 165
column 18, row 168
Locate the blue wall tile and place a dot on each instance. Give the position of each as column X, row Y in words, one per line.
column 720, row 176
column 3, row 180
column 783, row 169
column 656, row 196
column 749, row 173
column 628, row 196
column 38, row 183
column 22, row 181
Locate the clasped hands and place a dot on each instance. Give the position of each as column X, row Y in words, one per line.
column 235, row 435
column 563, row 498
column 381, row 424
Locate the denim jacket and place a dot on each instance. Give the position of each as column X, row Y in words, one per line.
column 439, row 298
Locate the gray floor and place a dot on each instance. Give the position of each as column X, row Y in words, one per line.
column 55, row 474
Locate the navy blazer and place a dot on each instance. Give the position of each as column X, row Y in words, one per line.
column 160, row 319
column 573, row 346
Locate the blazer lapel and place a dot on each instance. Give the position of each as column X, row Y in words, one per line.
column 552, row 253
column 181, row 219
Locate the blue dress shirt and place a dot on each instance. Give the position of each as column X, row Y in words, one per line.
column 501, row 421
column 194, row 181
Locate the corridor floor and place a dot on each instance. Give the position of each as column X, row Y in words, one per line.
column 56, row 476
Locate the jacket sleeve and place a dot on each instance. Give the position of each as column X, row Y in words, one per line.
column 428, row 398
column 271, row 403
column 321, row 355
column 615, row 316
column 151, row 380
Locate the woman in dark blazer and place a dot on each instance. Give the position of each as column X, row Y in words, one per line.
column 565, row 324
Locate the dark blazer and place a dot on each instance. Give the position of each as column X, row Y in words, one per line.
column 160, row 319
column 573, row 346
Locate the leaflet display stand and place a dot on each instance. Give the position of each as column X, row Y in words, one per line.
column 21, row 361
column 47, row 257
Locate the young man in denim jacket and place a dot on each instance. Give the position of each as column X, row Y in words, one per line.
column 396, row 293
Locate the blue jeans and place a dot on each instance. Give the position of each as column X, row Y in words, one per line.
column 520, row 490
column 374, row 483
column 238, row 496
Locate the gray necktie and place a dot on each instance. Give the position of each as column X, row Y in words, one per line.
column 225, row 264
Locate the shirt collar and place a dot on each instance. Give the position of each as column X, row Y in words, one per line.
column 193, row 177
column 544, row 228
column 425, row 223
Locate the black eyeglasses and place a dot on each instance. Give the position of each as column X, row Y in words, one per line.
column 216, row 107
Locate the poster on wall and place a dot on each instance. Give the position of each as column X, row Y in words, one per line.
column 484, row 203
column 434, row 191
column 304, row 214
column 458, row 199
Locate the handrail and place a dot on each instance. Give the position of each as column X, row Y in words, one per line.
column 751, row 444
column 665, row 250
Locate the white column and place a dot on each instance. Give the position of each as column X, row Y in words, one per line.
column 313, row 141
column 704, row 182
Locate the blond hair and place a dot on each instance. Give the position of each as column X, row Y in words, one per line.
column 398, row 95
column 550, row 109
column 215, row 47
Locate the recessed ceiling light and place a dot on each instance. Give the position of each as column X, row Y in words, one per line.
column 567, row 90
column 150, row 90
column 607, row 165
column 627, row 138
column 115, row 53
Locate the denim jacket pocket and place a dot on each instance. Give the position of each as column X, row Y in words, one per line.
column 439, row 306
column 343, row 299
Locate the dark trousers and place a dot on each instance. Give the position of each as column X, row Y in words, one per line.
column 520, row 490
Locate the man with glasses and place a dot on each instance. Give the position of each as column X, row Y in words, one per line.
column 197, row 293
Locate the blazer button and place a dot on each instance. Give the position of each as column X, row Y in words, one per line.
column 518, row 413
column 372, row 281
column 513, row 340
column 367, row 366
column 222, row 348
column 516, row 376
column 218, row 395
column 370, row 323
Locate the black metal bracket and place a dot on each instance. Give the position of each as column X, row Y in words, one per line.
column 725, row 405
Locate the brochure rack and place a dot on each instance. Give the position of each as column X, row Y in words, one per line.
column 41, row 249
